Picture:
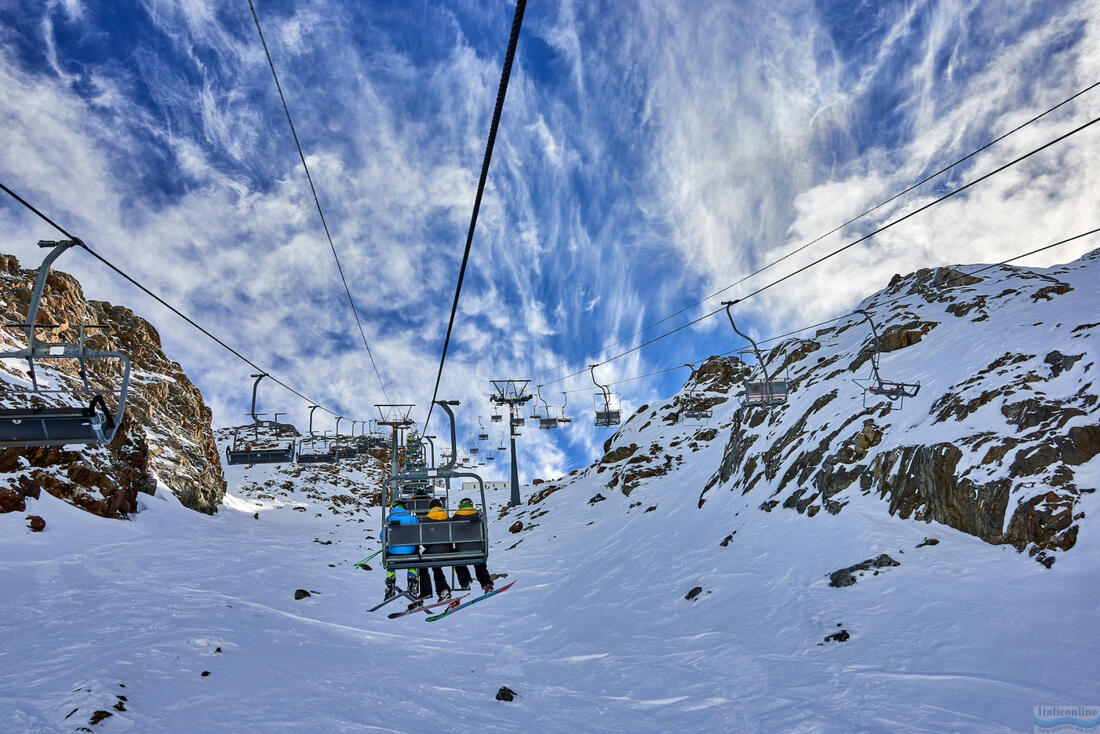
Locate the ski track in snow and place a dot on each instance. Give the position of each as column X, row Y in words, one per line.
column 595, row 636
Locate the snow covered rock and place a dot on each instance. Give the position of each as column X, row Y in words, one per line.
column 992, row 443
column 165, row 439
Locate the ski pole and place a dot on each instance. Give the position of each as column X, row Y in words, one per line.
column 372, row 555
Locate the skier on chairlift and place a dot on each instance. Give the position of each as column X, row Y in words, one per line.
column 467, row 510
column 436, row 513
column 399, row 513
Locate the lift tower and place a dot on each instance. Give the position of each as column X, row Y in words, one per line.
column 512, row 393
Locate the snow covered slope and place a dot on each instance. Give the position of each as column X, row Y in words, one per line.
column 939, row 631
column 1001, row 440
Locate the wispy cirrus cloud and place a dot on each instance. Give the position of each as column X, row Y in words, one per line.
column 645, row 158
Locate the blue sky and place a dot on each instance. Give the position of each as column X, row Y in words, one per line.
column 649, row 153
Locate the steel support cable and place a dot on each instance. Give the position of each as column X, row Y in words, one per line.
column 854, row 219
column 317, row 201
column 920, row 209
column 839, row 250
column 160, row 300
column 849, row 315
column 502, row 90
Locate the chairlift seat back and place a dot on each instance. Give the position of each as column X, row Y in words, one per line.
column 327, row 458
column 419, row 505
column 54, row 426
column 548, row 423
column 760, row 392
column 274, row 455
column 465, row 535
column 894, row 390
column 608, row 417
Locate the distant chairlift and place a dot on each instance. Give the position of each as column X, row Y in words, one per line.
column 895, row 392
column 325, row 454
column 563, row 418
column 36, row 425
column 340, row 444
column 695, row 409
column 546, row 421
column 606, row 402
column 495, row 416
column 766, row 393
column 243, row 453
column 482, row 434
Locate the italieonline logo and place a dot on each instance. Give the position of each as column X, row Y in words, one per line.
column 1065, row 719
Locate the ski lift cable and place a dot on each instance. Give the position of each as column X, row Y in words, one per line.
column 844, row 316
column 160, row 300
column 317, row 201
column 502, row 90
column 856, row 218
column 843, row 248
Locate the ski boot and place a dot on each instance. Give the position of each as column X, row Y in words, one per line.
column 486, row 588
column 391, row 587
column 444, row 595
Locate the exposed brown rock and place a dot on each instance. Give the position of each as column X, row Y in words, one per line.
column 36, row 523
column 11, row 501
column 618, row 454
column 106, row 480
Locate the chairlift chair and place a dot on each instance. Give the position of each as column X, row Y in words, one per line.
column 454, row 541
column 314, row 455
column 546, row 421
column 563, row 418
column 35, row 425
column 693, row 404
column 242, row 453
column 326, row 454
column 894, row 392
column 606, row 403
column 766, row 393
column 482, row 434
column 495, row 416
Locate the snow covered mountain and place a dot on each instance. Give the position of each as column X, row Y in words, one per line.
column 818, row 567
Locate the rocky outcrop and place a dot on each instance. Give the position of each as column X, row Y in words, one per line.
column 991, row 444
column 165, row 439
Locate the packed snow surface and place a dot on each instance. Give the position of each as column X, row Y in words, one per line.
column 596, row 635
column 176, row 621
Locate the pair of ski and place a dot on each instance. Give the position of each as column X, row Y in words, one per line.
column 453, row 605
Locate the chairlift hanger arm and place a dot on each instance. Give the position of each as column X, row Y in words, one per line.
column 255, row 385
column 749, row 339
column 875, row 346
column 603, row 388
